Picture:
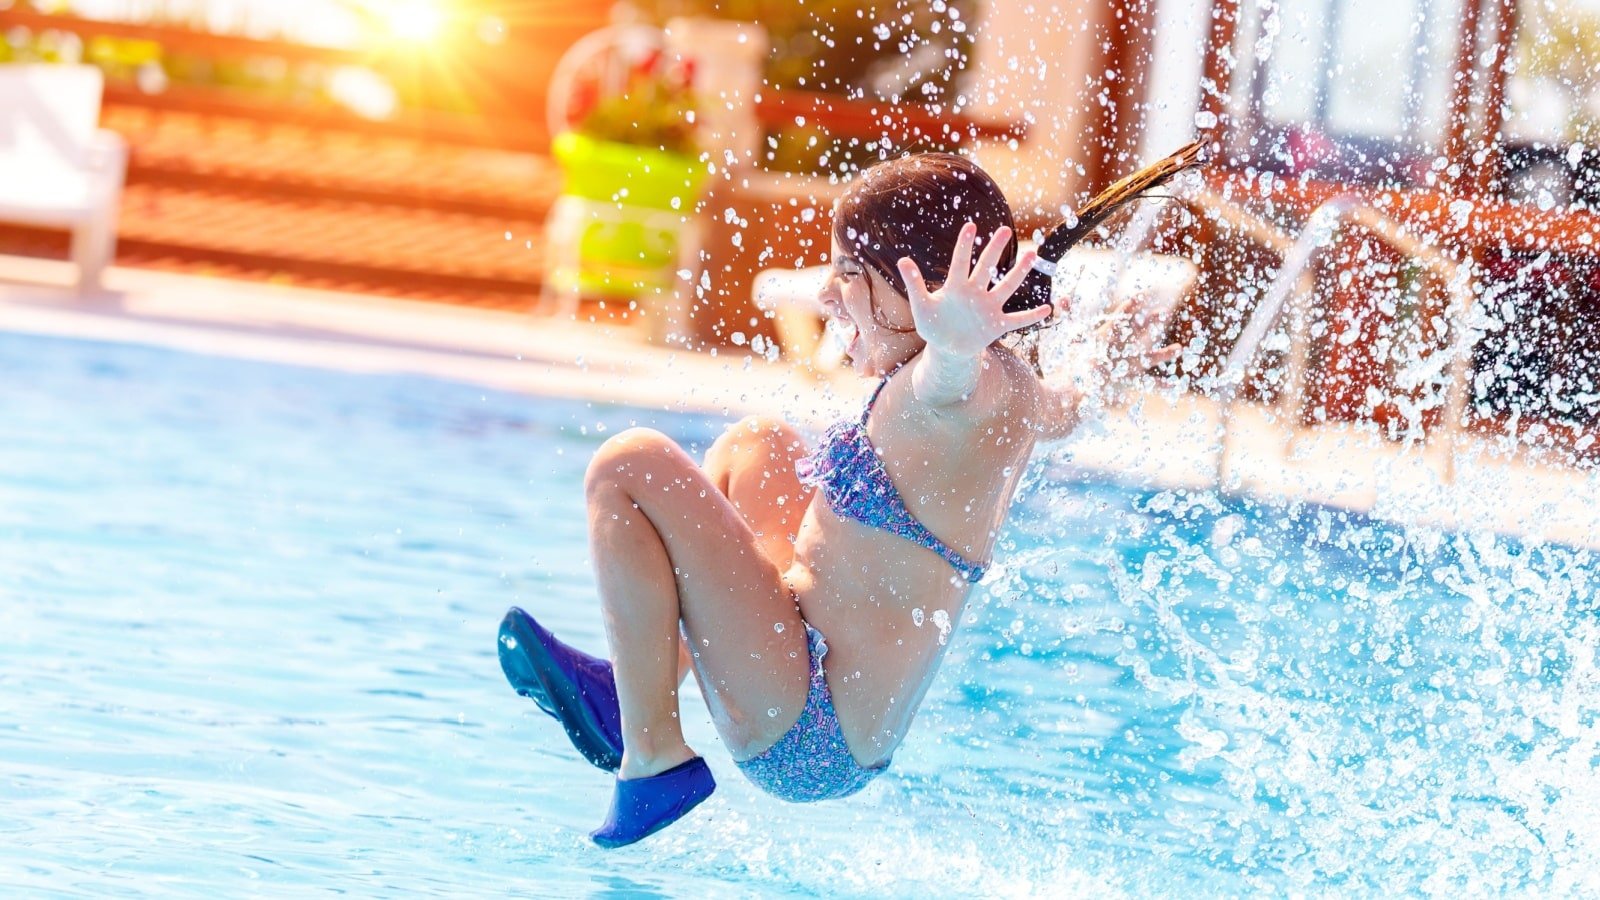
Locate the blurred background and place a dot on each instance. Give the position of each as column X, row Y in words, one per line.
column 494, row 153
column 313, row 312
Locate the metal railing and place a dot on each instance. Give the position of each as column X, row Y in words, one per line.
column 1294, row 279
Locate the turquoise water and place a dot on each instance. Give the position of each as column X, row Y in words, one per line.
column 247, row 618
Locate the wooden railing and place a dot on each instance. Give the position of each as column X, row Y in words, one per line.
column 1463, row 224
column 186, row 40
column 508, row 92
column 504, row 90
column 1487, row 237
column 867, row 119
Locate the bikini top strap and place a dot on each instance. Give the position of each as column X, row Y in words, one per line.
column 876, row 391
column 874, row 399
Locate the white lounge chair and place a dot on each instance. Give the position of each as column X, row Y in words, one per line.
column 58, row 168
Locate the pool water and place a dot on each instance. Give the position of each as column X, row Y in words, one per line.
column 247, row 621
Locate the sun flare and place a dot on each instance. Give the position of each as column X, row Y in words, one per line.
column 413, row 20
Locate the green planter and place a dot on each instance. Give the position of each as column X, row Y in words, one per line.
column 625, row 204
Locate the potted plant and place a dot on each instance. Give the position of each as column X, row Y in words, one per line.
column 632, row 175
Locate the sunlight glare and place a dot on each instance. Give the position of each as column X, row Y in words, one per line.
column 414, row 20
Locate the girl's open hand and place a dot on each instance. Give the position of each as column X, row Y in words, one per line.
column 966, row 314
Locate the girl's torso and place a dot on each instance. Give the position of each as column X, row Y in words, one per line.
column 888, row 604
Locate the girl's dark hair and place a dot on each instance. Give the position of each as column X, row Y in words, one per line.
column 915, row 206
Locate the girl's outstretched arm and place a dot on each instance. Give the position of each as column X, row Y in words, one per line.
column 963, row 317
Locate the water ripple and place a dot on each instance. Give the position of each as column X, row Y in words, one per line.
column 246, row 646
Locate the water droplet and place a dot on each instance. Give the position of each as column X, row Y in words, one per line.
column 772, row 713
column 778, row 627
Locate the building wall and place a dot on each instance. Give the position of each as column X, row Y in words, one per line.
column 1034, row 61
column 1104, row 85
column 1176, row 60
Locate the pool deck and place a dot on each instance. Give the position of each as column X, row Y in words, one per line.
column 1156, row 437
column 513, row 351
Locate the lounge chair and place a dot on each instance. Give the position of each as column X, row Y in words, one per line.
column 57, row 167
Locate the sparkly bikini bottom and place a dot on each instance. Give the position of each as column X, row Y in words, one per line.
column 811, row 762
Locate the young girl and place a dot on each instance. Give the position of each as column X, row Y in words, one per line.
column 812, row 591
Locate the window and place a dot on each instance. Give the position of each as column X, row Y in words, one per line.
column 1553, row 105
column 1351, row 90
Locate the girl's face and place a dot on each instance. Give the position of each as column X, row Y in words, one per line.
column 873, row 318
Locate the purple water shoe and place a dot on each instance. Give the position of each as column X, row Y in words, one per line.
column 643, row 806
column 579, row 690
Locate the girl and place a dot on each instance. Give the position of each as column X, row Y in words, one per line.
column 811, row 592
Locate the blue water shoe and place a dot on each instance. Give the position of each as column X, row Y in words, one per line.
column 578, row 689
column 643, row 806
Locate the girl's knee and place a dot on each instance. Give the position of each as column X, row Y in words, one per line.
column 769, row 433
column 752, row 441
column 628, row 456
column 768, row 427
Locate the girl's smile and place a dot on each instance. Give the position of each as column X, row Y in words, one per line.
column 868, row 316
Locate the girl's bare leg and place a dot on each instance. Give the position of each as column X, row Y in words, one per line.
column 752, row 463
column 668, row 546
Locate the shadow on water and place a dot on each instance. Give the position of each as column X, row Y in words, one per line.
column 618, row 887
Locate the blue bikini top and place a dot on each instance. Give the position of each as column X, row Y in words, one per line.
column 847, row 469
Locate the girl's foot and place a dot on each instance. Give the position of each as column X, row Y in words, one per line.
column 641, row 807
column 579, row 690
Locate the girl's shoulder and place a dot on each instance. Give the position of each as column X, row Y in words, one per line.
column 1023, row 387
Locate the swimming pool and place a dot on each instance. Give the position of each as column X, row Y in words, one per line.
column 247, row 619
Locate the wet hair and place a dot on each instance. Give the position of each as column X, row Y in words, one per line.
column 915, row 206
